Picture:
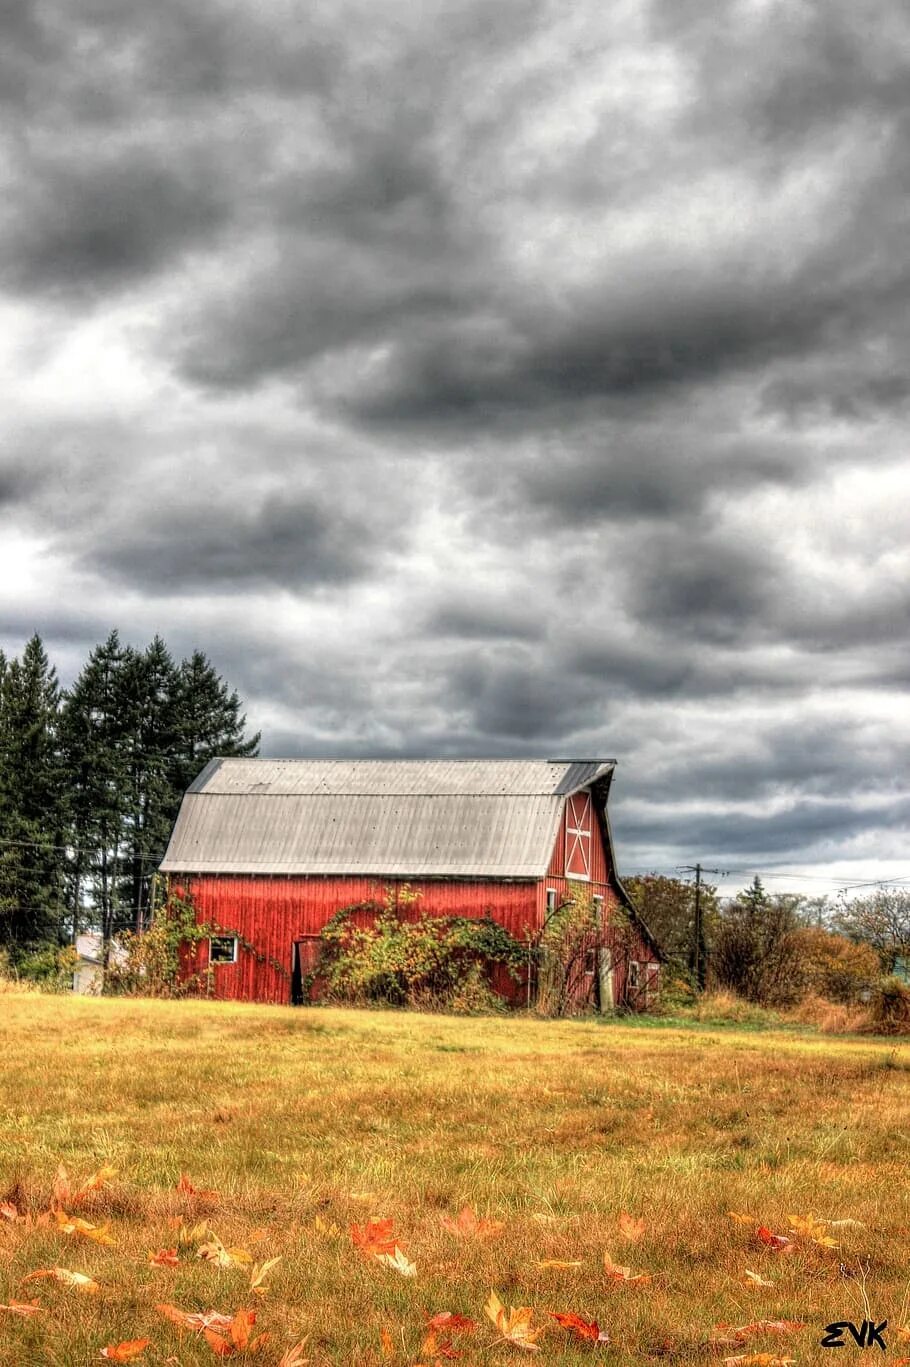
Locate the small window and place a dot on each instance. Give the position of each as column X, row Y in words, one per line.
column 551, row 901
column 633, row 973
column 223, row 949
column 590, row 962
column 598, row 908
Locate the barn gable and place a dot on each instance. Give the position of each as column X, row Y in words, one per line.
column 389, row 819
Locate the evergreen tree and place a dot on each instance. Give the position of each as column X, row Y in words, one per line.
column 211, row 723
column 94, row 731
column 32, row 813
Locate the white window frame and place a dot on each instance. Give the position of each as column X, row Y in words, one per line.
column 551, row 901
column 590, row 958
column 634, row 975
column 223, row 939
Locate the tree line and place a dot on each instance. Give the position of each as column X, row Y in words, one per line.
column 775, row 948
column 91, row 778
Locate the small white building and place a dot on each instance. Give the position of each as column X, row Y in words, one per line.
column 88, row 975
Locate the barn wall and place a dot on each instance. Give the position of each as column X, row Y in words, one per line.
column 272, row 913
column 631, row 946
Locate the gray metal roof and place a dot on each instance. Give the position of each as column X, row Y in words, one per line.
column 405, row 818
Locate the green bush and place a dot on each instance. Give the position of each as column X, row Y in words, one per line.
column 51, row 969
column 434, row 962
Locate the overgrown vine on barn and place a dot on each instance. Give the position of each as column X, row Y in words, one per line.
column 440, row 962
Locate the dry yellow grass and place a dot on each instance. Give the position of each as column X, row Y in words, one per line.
column 305, row 1120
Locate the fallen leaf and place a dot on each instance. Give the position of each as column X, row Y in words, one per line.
column 325, row 1230
column 631, row 1228
column 259, row 1272
column 848, row 1223
column 582, row 1329
column 82, row 1229
column 23, row 1308
column 753, row 1279
column 165, row 1257
column 807, row 1227
column 375, row 1237
column 467, row 1225
column 214, row 1251
column 556, row 1262
column 743, row 1219
column 184, row 1319
column 398, row 1261
column 294, row 1356
column 9, row 1212
column 624, row 1274
column 514, row 1325
column 776, row 1241
column 78, row 1280
column 127, row 1351
column 237, row 1338
column 452, row 1323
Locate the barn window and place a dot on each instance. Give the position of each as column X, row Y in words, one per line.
column 578, row 836
column 590, row 962
column 551, row 901
column 633, row 974
column 598, row 909
column 223, row 949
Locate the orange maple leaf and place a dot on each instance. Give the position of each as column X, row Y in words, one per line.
column 127, row 1351
column 452, row 1323
column 238, row 1338
column 753, row 1279
column 165, row 1257
column 630, row 1228
column 583, row 1329
column 375, row 1237
column 780, row 1242
column 467, row 1224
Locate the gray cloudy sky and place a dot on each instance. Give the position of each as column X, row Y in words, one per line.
column 525, row 378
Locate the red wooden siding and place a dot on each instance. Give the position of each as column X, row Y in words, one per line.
column 273, row 913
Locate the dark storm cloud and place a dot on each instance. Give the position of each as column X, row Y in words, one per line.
column 296, row 545
column 512, row 364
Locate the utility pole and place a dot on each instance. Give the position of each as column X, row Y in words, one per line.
column 697, row 945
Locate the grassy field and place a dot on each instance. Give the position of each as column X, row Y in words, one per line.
column 302, row 1123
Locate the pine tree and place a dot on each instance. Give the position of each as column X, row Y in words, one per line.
column 211, row 723
column 32, row 816
column 94, row 732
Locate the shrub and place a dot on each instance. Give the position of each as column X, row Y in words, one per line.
column 832, row 966
column 889, row 1008
column 50, row 969
column 157, row 962
column 832, row 1018
column 431, row 962
column 755, row 954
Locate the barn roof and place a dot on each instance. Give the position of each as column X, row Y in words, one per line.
column 403, row 818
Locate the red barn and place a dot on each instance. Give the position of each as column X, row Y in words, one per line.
column 271, row 849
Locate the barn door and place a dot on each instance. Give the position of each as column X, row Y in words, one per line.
column 303, row 969
column 578, row 836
